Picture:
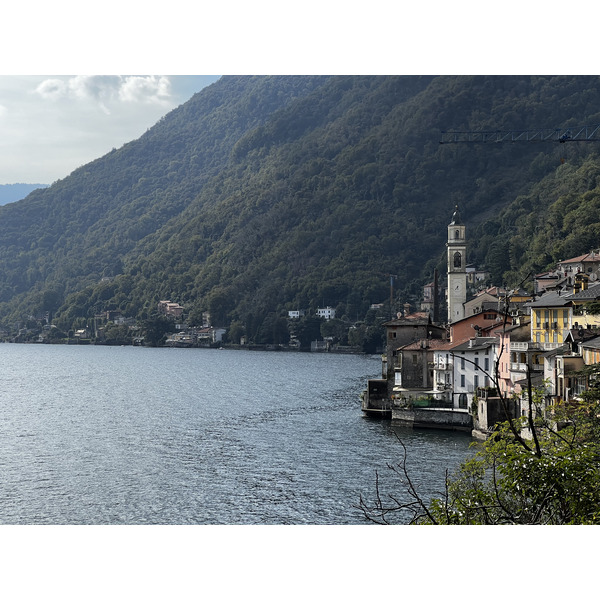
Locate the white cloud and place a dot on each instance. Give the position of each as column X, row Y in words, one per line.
column 145, row 89
column 106, row 90
column 3, row 110
column 52, row 89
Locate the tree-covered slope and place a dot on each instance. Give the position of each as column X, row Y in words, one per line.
column 262, row 194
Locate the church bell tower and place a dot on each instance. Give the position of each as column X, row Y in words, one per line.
column 457, row 268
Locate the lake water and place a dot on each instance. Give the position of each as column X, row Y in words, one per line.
column 127, row 435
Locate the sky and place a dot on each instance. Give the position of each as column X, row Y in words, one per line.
column 64, row 100
column 51, row 125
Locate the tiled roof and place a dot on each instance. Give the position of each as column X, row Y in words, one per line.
column 589, row 257
column 432, row 344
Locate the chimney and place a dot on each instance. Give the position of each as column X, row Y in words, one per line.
column 406, row 309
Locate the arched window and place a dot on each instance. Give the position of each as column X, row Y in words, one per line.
column 456, row 234
column 457, row 259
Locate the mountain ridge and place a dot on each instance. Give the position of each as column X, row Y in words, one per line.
column 247, row 209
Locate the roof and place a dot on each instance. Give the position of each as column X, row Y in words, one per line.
column 589, row 257
column 592, row 343
column 418, row 318
column 456, row 220
column 551, row 299
column 432, row 344
column 479, row 343
column 592, row 293
column 519, row 333
column 492, row 309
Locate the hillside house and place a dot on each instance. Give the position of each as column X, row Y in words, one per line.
column 170, row 309
column 475, row 277
column 326, row 313
column 588, row 264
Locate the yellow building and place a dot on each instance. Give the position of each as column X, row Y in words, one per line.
column 551, row 318
column 555, row 313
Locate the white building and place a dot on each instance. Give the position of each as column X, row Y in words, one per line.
column 326, row 313
column 473, row 367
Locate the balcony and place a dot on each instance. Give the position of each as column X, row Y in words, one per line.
column 444, row 365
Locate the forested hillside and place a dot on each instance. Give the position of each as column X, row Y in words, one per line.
column 263, row 194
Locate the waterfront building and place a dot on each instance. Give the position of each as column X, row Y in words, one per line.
column 474, row 361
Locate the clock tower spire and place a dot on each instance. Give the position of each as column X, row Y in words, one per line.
column 457, row 268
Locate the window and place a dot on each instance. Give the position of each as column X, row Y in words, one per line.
column 462, row 381
column 457, row 259
column 462, row 363
column 476, row 381
column 487, row 363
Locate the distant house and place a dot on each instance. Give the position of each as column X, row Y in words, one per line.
column 295, row 314
column 171, row 309
column 476, row 277
column 326, row 313
column 589, row 264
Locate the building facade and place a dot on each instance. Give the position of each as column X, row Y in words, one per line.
column 457, row 268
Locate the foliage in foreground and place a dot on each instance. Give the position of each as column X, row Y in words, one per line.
column 551, row 478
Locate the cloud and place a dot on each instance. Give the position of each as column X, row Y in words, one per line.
column 52, row 89
column 106, row 90
column 145, row 89
column 3, row 110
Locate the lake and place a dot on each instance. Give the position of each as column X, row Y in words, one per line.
column 126, row 435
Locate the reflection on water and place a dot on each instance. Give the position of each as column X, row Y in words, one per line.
column 111, row 435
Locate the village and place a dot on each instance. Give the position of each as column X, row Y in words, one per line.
column 475, row 370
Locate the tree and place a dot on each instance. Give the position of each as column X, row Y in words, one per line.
column 307, row 329
column 155, row 330
column 507, row 483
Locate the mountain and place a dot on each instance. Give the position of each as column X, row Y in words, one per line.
column 11, row 192
column 263, row 194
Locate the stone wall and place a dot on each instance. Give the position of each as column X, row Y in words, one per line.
column 439, row 418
